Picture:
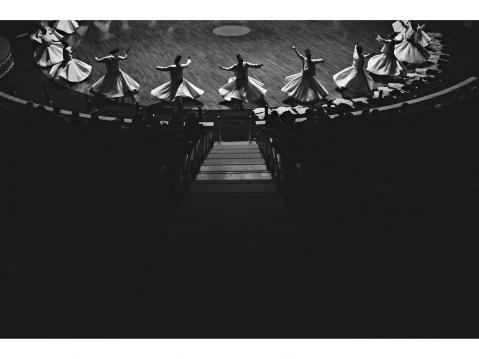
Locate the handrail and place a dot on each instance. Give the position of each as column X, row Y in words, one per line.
column 194, row 158
column 420, row 99
column 398, row 105
column 130, row 120
column 62, row 111
column 250, row 119
column 218, row 123
column 288, row 176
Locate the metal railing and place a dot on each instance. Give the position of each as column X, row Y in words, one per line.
column 288, row 175
column 193, row 159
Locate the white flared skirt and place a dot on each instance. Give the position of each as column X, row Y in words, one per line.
column 74, row 71
column 423, row 38
column 253, row 90
column 45, row 56
column 354, row 83
column 397, row 26
column 385, row 65
column 115, row 84
column 67, row 26
column 53, row 35
column 304, row 88
column 410, row 52
column 168, row 91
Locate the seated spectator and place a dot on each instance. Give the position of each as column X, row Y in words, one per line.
column 176, row 122
column 324, row 122
column 139, row 120
column 287, row 120
column 62, row 120
column 371, row 120
column 192, row 122
column 273, row 120
column 311, row 122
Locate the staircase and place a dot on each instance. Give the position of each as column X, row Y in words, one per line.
column 232, row 258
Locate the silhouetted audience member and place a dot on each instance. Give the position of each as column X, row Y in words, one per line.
column 176, row 121
column 273, row 120
column 287, row 120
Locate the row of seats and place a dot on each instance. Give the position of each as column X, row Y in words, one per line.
column 386, row 205
column 86, row 208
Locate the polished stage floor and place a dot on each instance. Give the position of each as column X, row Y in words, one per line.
column 268, row 42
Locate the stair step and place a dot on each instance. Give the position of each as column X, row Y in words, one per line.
column 234, row 155
column 267, row 202
column 235, row 148
column 232, row 187
column 257, row 194
column 240, row 229
column 228, row 182
column 233, row 161
column 237, row 225
column 239, row 291
column 233, row 176
column 225, row 152
column 236, row 143
column 231, row 249
column 233, row 168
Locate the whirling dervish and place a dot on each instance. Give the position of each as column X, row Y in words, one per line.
column 354, row 81
column 401, row 26
column 70, row 69
column 115, row 83
column 51, row 33
column 103, row 27
column 386, row 63
column 303, row 86
column 50, row 52
column 242, row 87
column 177, row 87
column 66, row 26
column 410, row 50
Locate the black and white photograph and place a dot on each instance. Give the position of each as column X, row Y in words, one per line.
column 206, row 178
